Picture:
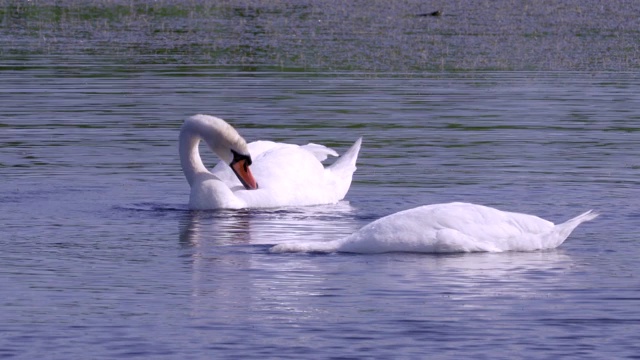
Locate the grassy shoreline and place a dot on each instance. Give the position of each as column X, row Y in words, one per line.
column 332, row 35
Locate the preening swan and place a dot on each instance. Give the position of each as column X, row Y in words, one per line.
column 262, row 173
column 449, row 228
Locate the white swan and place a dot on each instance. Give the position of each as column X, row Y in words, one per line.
column 449, row 228
column 262, row 173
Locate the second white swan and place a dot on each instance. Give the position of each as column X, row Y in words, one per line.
column 262, row 173
column 449, row 228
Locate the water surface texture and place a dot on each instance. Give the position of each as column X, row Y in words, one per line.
column 100, row 255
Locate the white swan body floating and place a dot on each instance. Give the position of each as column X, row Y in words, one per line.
column 262, row 173
column 448, row 228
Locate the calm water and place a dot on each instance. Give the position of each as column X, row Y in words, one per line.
column 101, row 258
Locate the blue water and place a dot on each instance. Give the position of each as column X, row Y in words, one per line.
column 101, row 258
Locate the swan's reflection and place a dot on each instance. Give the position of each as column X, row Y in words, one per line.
column 485, row 275
column 220, row 227
column 267, row 226
column 235, row 280
column 233, row 274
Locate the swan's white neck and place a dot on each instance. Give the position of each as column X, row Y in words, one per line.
column 190, row 159
column 221, row 138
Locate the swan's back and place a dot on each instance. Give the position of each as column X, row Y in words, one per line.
column 452, row 227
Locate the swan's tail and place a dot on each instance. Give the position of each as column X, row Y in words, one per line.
column 564, row 230
column 344, row 167
column 347, row 162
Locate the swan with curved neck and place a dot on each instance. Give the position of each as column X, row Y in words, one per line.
column 259, row 174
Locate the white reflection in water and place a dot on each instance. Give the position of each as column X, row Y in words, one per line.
column 222, row 264
column 269, row 226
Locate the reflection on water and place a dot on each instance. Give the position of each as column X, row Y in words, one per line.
column 238, row 286
column 323, row 298
column 232, row 225
column 249, row 226
column 224, row 292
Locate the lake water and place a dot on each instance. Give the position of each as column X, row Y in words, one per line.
column 101, row 258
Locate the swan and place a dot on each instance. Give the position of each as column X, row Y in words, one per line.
column 448, row 228
column 259, row 174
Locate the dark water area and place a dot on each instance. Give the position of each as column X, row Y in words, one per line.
column 101, row 258
column 330, row 35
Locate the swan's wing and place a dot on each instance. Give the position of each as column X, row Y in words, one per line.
column 223, row 172
column 288, row 167
column 288, row 174
column 321, row 152
column 483, row 222
column 260, row 147
column 452, row 227
column 257, row 149
column 493, row 228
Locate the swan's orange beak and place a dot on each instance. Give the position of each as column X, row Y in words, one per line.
column 241, row 168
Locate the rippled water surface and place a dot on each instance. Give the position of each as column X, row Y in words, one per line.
column 100, row 256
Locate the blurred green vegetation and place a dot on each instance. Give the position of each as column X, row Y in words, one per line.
column 331, row 35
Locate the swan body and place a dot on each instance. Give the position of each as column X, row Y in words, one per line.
column 279, row 174
column 449, row 228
